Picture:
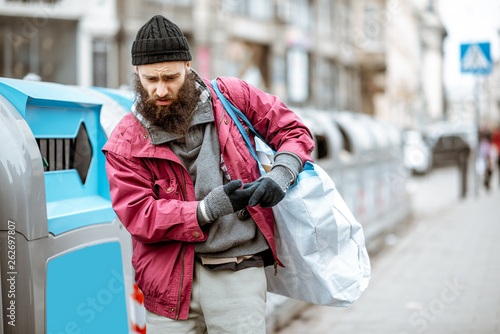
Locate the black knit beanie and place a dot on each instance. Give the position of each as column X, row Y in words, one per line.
column 159, row 40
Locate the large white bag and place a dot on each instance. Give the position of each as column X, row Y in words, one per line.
column 320, row 243
column 317, row 238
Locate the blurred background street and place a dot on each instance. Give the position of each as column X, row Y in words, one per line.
column 402, row 99
column 440, row 275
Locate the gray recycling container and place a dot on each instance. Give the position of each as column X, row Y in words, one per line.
column 65, row 257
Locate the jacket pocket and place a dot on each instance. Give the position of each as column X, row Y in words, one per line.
column 167, row 189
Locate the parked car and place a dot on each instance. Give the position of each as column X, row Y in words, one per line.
column 447, row 150
column 417, row 153
column 449, row 140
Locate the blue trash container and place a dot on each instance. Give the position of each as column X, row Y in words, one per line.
column 65, row 257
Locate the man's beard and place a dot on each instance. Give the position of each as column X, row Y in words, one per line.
column 177, row 116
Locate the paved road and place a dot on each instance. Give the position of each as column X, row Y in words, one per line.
column 441, row 276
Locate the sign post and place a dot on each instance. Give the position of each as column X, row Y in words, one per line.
column 475, row 58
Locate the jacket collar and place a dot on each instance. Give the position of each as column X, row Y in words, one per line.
column 203, row 113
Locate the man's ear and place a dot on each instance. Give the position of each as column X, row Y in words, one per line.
column 137, row 70
column 188, row 66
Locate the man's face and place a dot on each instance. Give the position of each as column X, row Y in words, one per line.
column 166, row 95
column 162, row 81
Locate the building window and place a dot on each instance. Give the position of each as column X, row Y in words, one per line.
column 325, row 84
column 284, row 10
column 297, row 75
column 250, row 62
column 262, row 10
column 44, row 49
column 14, row 51
column 325, row 18
column 345, row 17
column 297, row 13
column 372, row 23
column 100, row 63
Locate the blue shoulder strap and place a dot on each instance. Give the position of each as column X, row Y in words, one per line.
column 235, row 115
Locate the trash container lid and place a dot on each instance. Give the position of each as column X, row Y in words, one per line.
column 22, row 93
column 356, row 130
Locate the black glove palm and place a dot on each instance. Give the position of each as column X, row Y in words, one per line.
column 270, row 189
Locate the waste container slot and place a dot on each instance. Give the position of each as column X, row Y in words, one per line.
column 346, row 152
column 321, row 146
column 68, row 153
column 345, row 139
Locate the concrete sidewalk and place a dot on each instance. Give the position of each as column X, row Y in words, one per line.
column 442, row 276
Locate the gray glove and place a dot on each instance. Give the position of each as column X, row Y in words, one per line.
column 270, row 189
column 222, row 201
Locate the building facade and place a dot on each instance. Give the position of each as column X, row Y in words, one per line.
column 67, row 41
column 292, row 48
column 326, row 54
column 414, row 95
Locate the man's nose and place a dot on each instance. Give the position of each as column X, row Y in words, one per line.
column 162, row 90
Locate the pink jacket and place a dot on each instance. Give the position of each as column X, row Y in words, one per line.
column 153, row 194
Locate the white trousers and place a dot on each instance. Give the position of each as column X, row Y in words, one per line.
column 222, row 301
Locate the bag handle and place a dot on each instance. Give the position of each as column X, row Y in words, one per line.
column 236, row 115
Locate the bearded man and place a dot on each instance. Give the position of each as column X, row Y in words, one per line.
column 176, row 167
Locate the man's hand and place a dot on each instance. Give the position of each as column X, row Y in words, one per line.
column 224, row 200
column 270, row 189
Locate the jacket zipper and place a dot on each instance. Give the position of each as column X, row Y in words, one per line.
column 182, row 281
column 184, row 190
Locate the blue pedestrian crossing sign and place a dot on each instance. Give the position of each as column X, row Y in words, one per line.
column 475, row 58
